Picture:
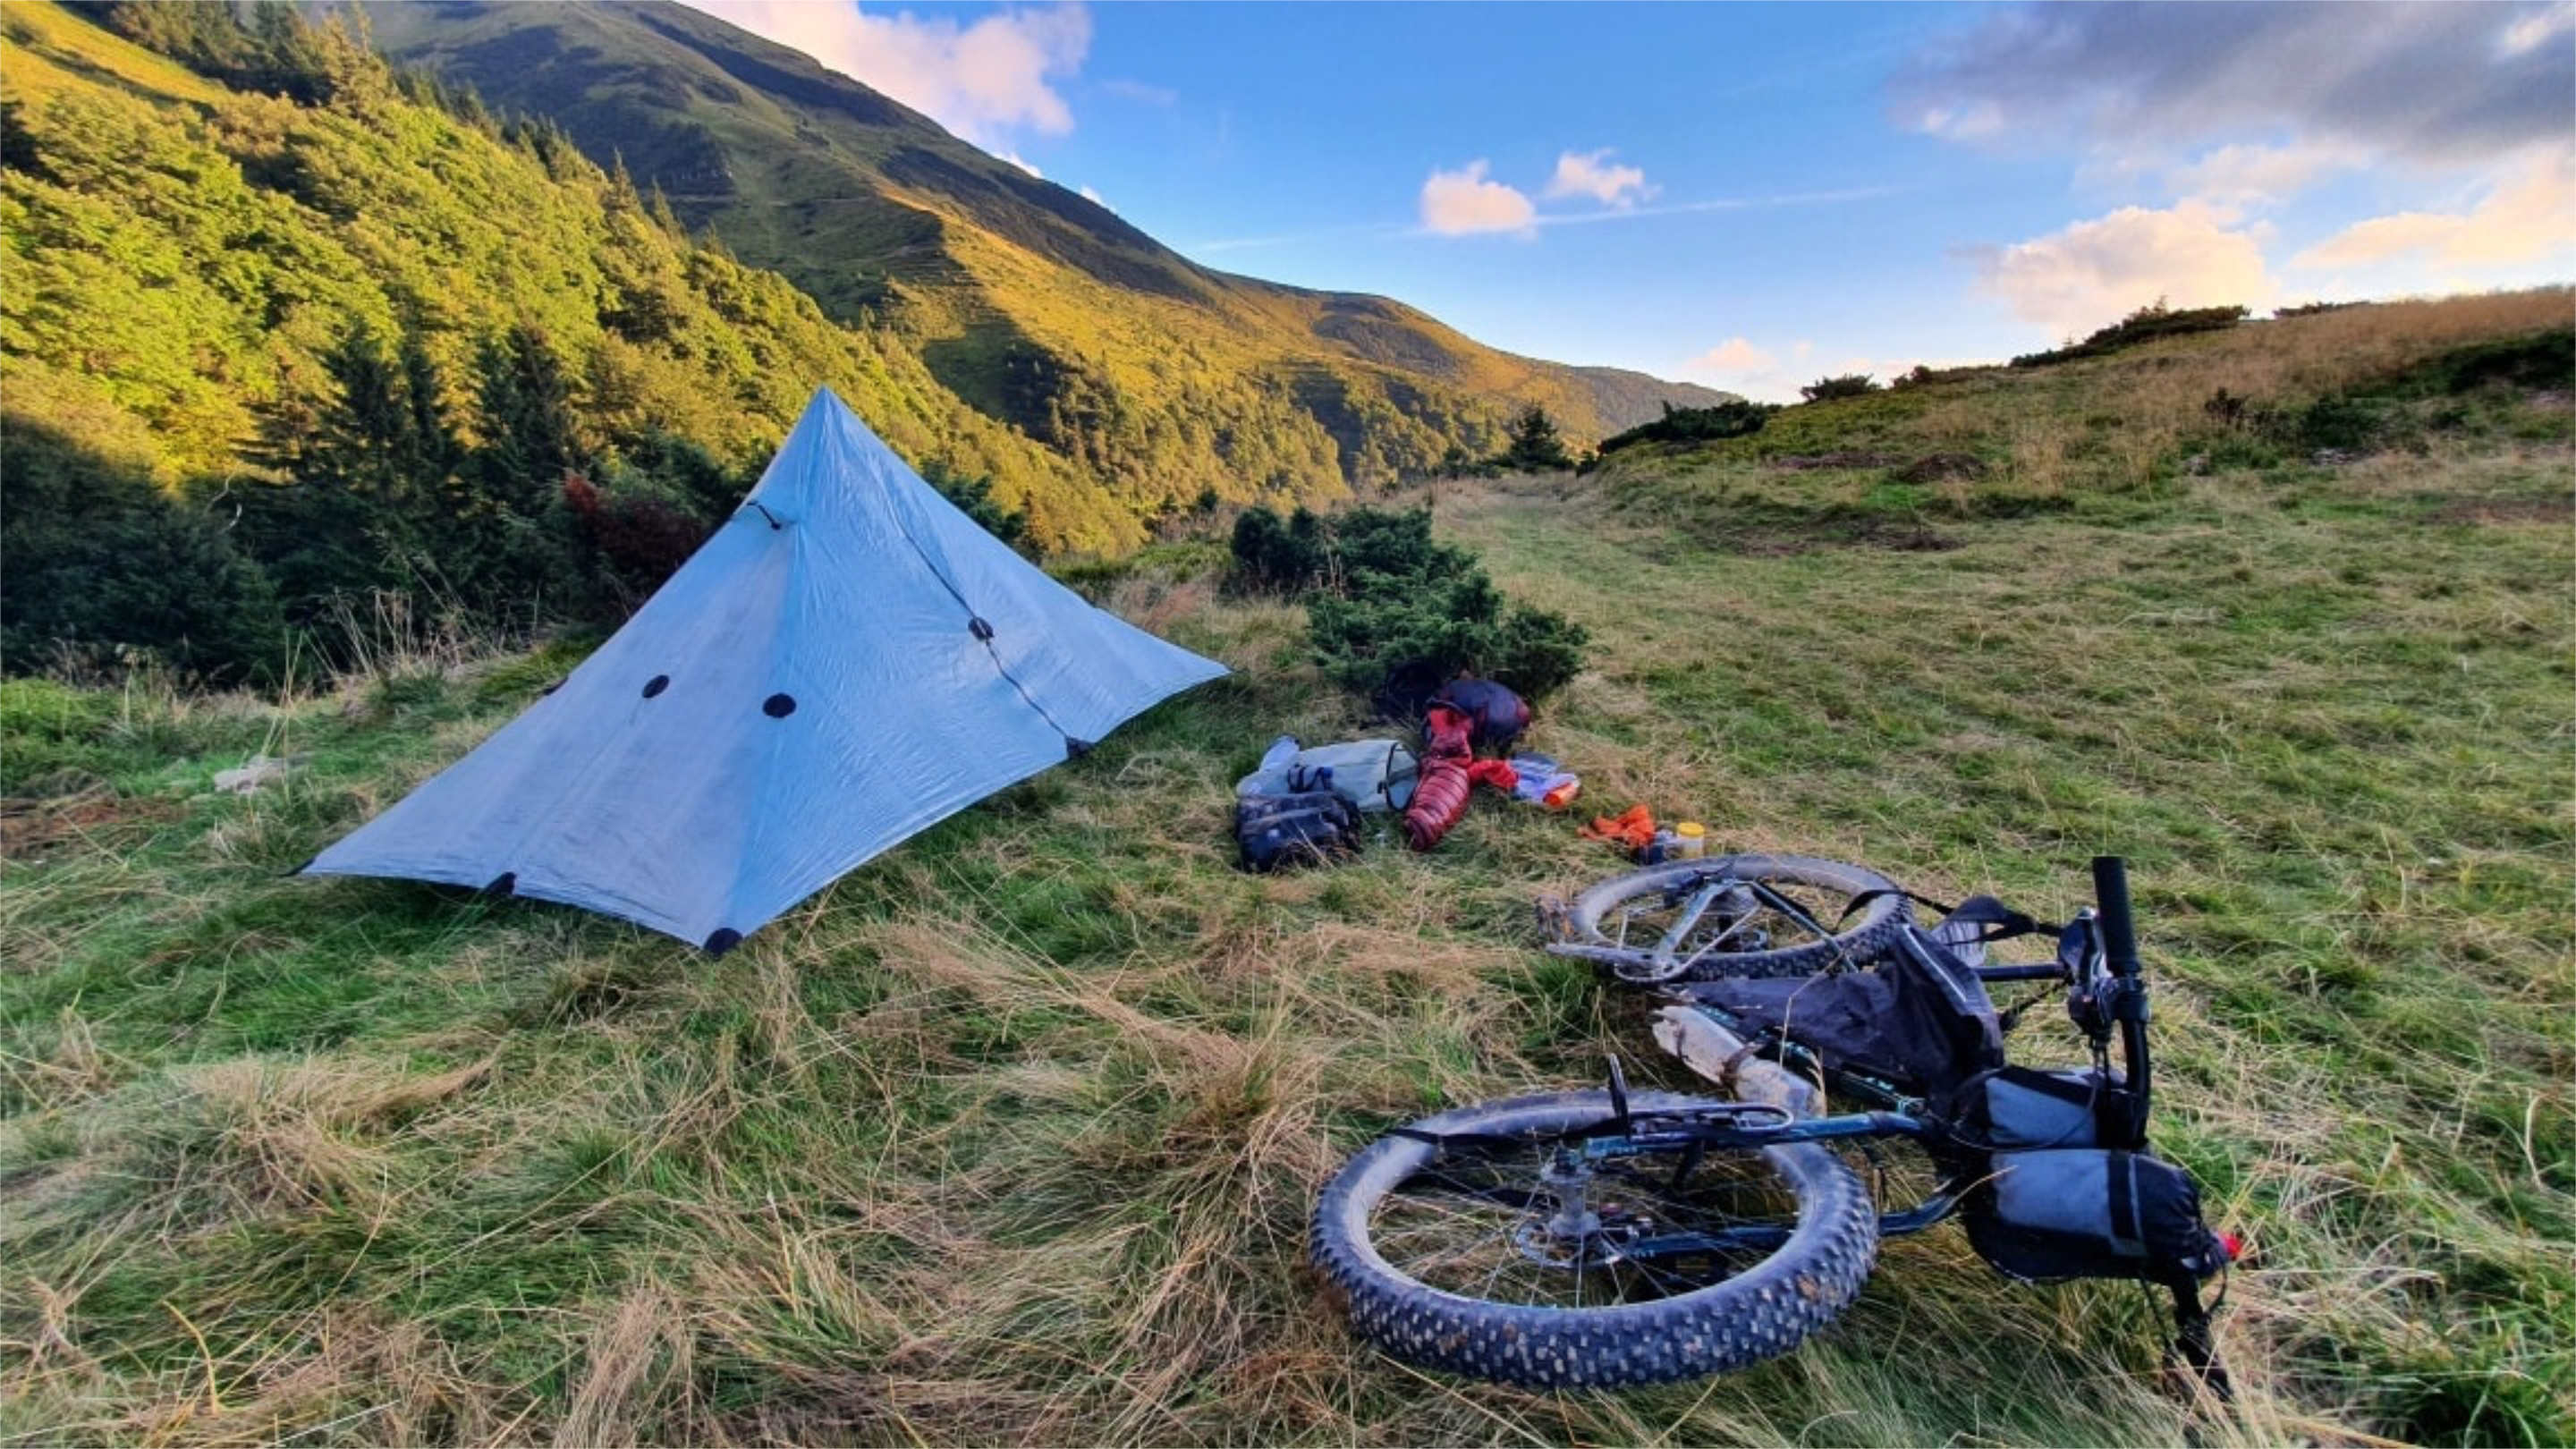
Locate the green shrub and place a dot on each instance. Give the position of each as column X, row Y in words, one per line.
column 1452, row 626
column 2541, row 360
column 1373, row 550
column 1539, row 653
column 102, row 563
column 1381, row 591
column 1735, row 418
column 2144, row 325
column 1275, row 557
column 2343, row 422
column 1827, row 389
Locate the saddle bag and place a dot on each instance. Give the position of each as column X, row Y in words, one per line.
column 1277, row 831
column 2087, row 1212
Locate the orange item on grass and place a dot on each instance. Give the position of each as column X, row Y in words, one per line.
column 1497, row 773
column 1630, row 831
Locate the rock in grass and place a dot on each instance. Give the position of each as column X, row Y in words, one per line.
column 258, row 770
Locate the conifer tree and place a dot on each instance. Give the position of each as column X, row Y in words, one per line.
column 430, row 448
column 530, row 437
column 1535, row 445
column 658, row 207
column 364, row 438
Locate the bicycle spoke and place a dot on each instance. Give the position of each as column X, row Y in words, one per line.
column 1479, row 1227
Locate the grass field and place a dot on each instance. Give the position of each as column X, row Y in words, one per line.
column 1011, row 1135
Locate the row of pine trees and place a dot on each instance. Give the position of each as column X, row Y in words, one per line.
column 498, row 515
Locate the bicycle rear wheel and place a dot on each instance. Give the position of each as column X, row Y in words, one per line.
column 1667, row 923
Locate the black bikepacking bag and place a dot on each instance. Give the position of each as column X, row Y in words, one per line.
column 1275, row 831
column 2092, row 1213
column 2022, row 1109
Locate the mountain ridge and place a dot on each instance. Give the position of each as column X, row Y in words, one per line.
column 986, row 270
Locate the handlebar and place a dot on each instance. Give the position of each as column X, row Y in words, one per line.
column 2120, row 953
column 2119, row 927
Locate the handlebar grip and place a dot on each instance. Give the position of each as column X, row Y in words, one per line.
column 2119, row 928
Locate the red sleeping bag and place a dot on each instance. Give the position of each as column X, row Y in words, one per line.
column 1439, row 801
column 1440, row 794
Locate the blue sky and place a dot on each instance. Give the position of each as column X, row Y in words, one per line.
column 1753, row 196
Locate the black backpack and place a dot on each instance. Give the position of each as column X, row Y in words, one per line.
column 1309, row 828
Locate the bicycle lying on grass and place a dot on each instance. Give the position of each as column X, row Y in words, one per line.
column 1607, row 1238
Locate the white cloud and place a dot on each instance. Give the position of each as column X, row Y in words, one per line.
column 1734, row 355
column 1463, row 202
column 980, row 80
column 1539, row 220
column 2420, row 80
column 1015, row 159
column 1965, row 123
column 1593, row 174
column 1096, row 199
column 1738, row 365
column 2526, row 218
column 2247, row 175
column 2530, row 32
column 2095, row 272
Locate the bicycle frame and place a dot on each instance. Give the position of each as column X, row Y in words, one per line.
column 1587, row 1180
column 1707, row 1041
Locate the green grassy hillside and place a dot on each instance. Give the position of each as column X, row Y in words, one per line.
column 180, row 254
column 182, row 251
column 1042, row 308
column 1011, row 1135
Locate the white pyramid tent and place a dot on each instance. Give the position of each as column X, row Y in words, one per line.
column 846, row 662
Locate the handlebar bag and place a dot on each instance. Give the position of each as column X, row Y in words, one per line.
column 2092, row 1213
column 1371, row 774
column 2021, row 1109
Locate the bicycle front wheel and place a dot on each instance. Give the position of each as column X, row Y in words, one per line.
column 1477, row 1256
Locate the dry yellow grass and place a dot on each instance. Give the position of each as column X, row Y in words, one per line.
column 2126, row 411
column 1010, row 1137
